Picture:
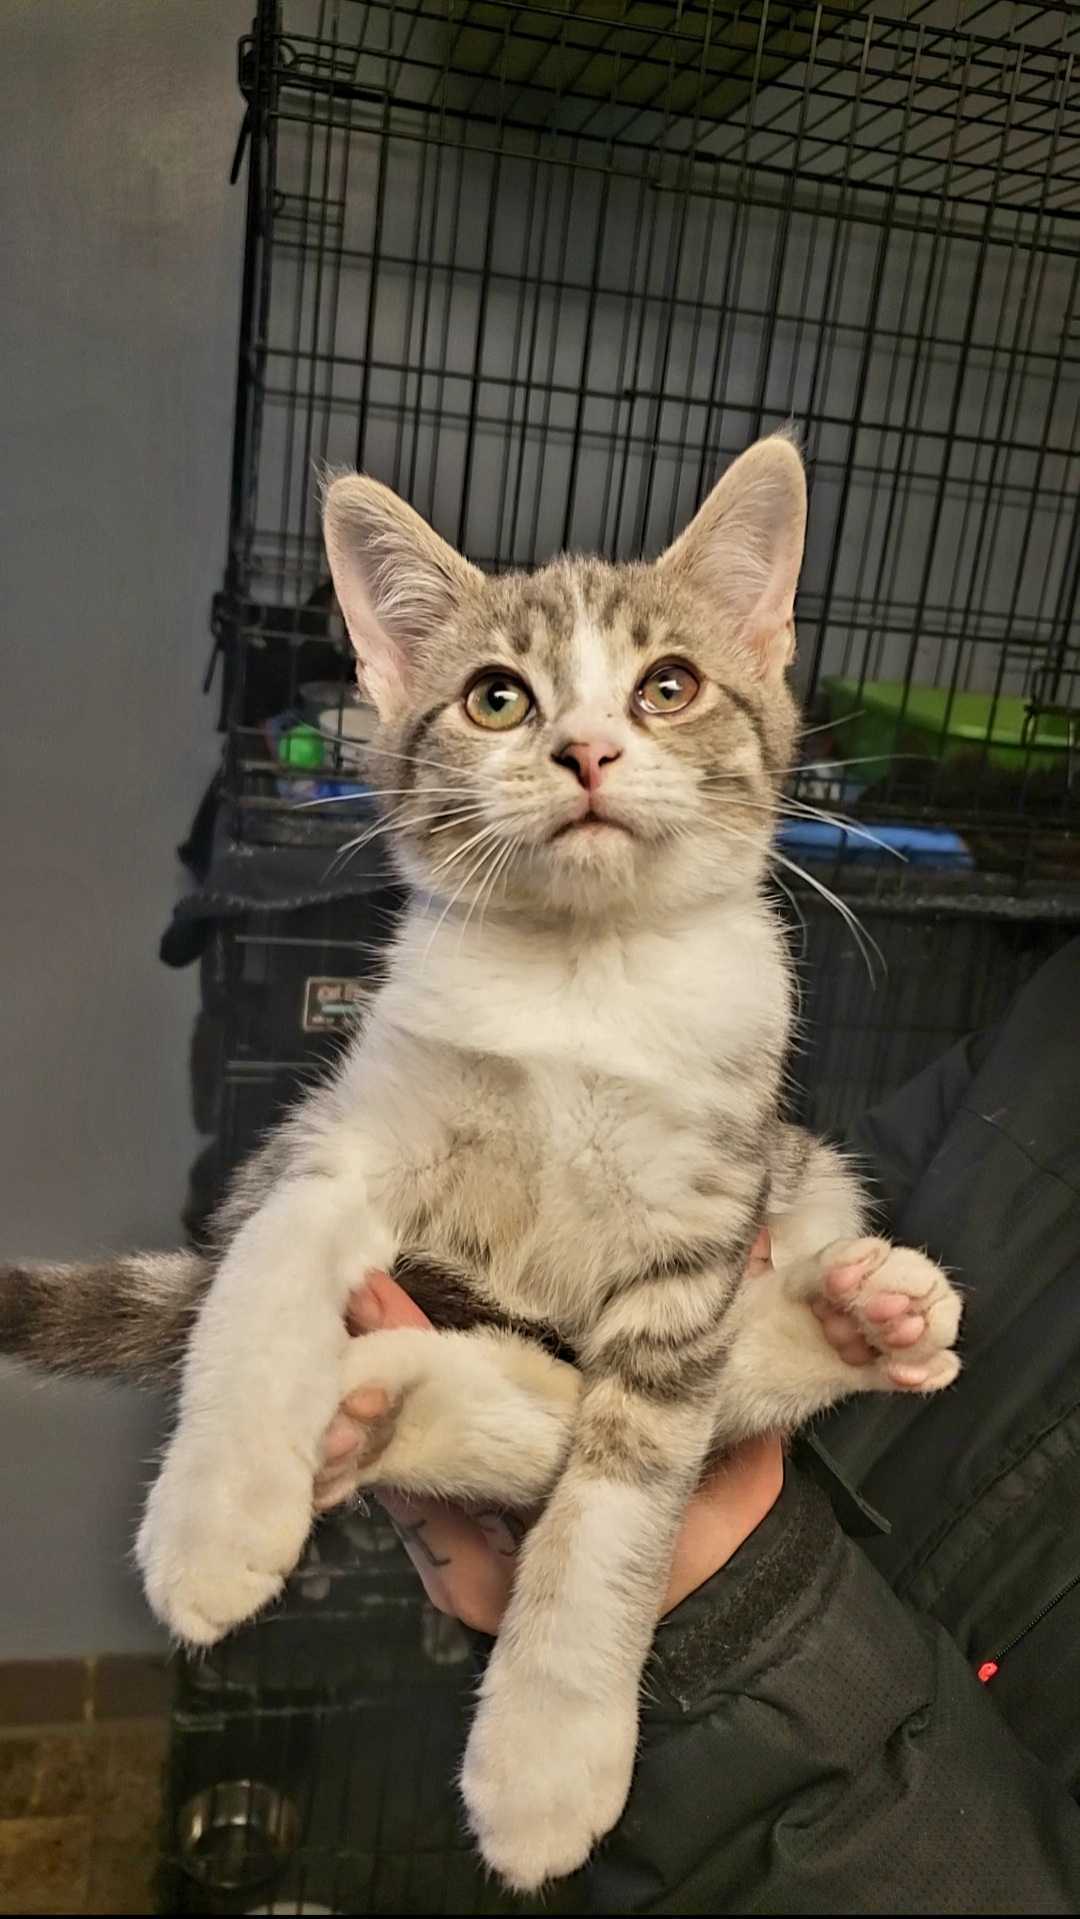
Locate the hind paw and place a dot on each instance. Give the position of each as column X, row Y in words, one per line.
column 219, row 1536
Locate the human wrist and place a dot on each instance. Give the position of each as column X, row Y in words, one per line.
column 730, row 1504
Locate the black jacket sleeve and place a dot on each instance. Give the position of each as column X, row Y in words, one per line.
column 812, row 1746
column 896, row 1142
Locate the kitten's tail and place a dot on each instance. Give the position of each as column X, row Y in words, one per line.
column 127, row 1318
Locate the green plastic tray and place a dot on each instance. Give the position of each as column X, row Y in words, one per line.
column 930, row 721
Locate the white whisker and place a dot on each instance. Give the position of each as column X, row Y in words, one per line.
column 358, row 750
column 495, row 858
column 795, row 808
column 411, row 759
column 864, row 941
column 332, row 799
column 381, row 793
column 452, row 901
column 399, row 824
column 804, row 810
column 864, row 759
column 473, row 812
column 827, row 726
column 486, row 832
column 415, row 791
column 798, row 912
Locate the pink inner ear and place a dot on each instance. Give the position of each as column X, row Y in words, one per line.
column 743, row 549
column 381, row 670
column 396, row 581
column 381, row 659
column 776, row 648
column 381, row 663
column 770, row 628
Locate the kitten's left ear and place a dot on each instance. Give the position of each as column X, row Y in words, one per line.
column 743, row 549
column 396, row 582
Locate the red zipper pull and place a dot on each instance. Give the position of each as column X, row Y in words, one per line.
column 987, row 1670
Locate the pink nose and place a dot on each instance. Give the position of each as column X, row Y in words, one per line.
column 587, row 759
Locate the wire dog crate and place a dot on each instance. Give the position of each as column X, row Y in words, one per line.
column 545, row 269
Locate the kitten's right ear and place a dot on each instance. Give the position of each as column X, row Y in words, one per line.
column 396, row 582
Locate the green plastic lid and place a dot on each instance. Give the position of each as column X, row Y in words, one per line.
column 301, row 746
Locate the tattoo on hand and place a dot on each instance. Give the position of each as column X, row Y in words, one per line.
column 413, row 1540
column 498, row 1526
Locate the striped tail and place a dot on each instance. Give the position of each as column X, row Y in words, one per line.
column 126, row 1318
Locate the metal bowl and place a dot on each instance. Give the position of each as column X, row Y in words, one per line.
column 237, row 1833
column 290, row 1906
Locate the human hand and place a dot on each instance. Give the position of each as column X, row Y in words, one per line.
column 466, row 1561
column 378, row 1304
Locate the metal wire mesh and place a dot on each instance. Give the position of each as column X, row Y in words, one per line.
column 545, row 269
column 313, row 1755
column 866, row 1030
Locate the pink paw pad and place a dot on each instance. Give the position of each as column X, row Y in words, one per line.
column 891, row 1306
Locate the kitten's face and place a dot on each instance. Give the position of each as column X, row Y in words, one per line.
column 586, row 739
column 582, row 736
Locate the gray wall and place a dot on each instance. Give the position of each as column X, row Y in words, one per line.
column 122, row 246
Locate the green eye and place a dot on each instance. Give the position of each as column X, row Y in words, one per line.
column 498, row 701
column 667, row 689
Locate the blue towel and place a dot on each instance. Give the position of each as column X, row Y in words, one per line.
column 932, row 846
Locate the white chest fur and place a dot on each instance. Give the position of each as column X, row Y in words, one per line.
column 549, row 1107
column 645, row 1004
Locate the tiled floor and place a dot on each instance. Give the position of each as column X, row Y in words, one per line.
column 80, row 1807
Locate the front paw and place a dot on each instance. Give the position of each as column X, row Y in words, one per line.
column 546, row 1773
column 890, row 1308
column 220, row 1533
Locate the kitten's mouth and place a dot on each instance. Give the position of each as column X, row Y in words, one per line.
column 589, row 823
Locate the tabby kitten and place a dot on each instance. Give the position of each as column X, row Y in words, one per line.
column 561, row 1117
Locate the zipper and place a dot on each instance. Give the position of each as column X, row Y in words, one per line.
column 988, row 1667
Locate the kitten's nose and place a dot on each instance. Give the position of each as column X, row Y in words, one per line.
column 587, row 759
